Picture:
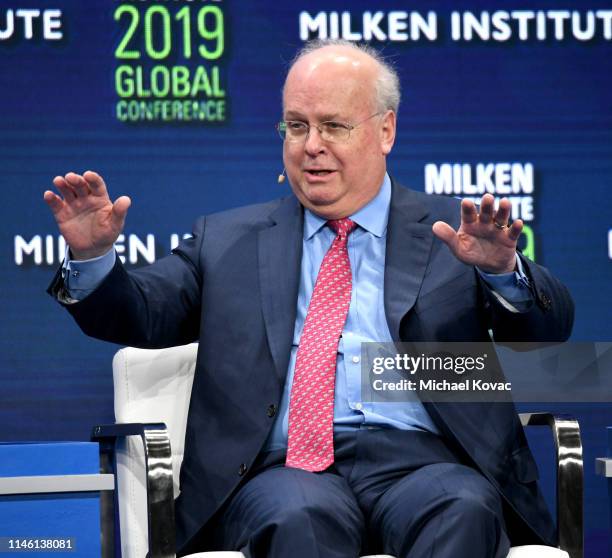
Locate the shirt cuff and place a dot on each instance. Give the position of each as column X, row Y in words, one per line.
column 512, row 290
column 82, row 277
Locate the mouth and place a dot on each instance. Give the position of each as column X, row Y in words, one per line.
column 318, row 172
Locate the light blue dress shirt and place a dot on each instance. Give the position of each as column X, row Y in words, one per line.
column 366, row 320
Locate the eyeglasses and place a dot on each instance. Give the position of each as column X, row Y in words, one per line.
column 295, row 131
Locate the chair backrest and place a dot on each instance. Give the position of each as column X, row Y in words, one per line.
column 150, row 386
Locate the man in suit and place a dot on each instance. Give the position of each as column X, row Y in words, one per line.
column 283, row 457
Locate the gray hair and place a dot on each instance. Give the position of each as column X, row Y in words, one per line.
column 387, row 85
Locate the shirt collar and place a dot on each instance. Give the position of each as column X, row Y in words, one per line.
column 373, row 217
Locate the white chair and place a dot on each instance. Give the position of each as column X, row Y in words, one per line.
column 152, row 392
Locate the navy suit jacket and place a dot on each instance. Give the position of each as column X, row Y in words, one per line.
column 234, row 287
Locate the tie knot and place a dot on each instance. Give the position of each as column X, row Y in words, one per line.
column 342, row 227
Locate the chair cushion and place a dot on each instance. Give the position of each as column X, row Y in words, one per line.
column 536, row 551
column 530, row 551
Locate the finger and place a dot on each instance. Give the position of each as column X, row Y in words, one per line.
column 120, row 209
column 486, row 209
column 96, row 183
column 446, row 234
column 64, row 188
column 468, row 212
column 79, row 184
column 58, row 180
column 503, row 212
column 53, row 201
column 515, row 230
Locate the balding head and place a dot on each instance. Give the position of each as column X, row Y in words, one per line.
column 385, row 81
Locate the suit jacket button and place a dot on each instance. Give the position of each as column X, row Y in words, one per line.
column 546, row 302
column 271, row 411
column 242, row 469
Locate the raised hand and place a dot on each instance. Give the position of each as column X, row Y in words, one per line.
column 87, row 218
column 484, row 239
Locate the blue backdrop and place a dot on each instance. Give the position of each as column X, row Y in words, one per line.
column 174, row 103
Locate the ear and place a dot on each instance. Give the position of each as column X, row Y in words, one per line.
column 387, row 132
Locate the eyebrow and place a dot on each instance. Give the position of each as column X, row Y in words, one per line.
column 292, row 115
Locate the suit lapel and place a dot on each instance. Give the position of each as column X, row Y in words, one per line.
column 409, row 241
column 279, row 255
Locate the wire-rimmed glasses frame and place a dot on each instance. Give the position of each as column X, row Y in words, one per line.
column 296, row 131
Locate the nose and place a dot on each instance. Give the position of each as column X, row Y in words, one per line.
column 314, row 144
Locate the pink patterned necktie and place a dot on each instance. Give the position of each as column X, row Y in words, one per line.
column 311, row 408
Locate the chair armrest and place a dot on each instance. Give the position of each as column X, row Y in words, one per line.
column 158, row 467
column 570, row 477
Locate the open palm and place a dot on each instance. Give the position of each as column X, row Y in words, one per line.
column 484, row 238
column 85, row 215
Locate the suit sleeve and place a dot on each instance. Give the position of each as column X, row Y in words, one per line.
column 152, row 307
column 549, row 317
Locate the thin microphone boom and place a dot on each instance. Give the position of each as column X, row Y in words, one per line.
column 281, row 177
